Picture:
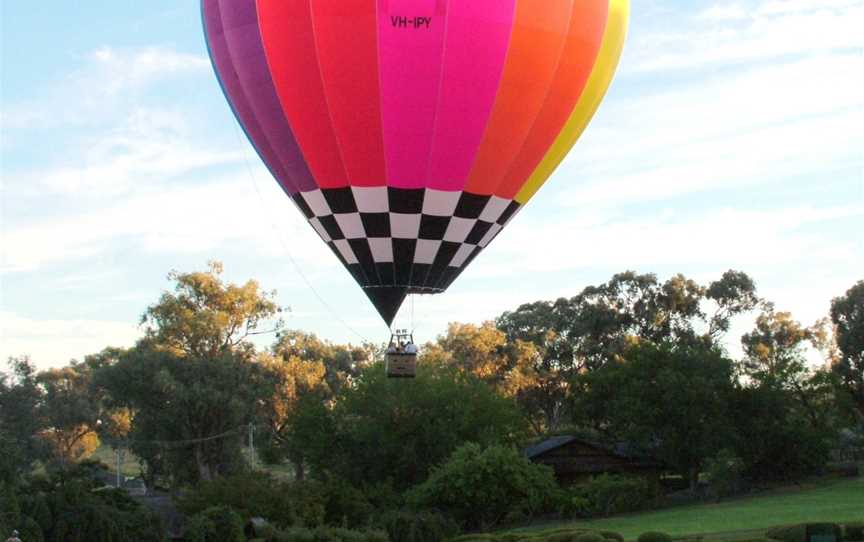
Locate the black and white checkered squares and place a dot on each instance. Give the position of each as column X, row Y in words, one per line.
column 417, row 239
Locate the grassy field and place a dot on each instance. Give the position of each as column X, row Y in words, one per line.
column 835, row 501
column 129, row 468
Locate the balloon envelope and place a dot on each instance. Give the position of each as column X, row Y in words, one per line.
column 409, row 132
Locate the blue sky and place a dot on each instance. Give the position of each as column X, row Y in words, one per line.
column 732, row 137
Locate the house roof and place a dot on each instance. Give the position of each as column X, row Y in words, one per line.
column 622, row 449
column 548, row 444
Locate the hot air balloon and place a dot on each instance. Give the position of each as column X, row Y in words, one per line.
column 410, row 132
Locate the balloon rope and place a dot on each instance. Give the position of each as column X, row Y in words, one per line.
column 285, row 246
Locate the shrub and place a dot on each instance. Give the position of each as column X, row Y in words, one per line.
column 725, row 470
column 614, row 494
column 654, row 537
column 307, row 503
column 294, row 534
column 612, row 535
column 498, row 477
column 409, row 526
column 571, row 503
column 589, row 537
column 215, row 524
column 854, row 532
column 830, row 529
column 29, row 530
column 803, row 531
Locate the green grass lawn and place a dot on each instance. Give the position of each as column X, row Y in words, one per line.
column 834, row 501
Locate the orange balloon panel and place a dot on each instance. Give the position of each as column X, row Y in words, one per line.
column 409, row 132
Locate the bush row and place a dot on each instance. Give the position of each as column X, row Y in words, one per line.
column 554, row 535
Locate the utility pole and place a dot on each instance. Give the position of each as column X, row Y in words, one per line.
column 119, row 452
column 251, row 446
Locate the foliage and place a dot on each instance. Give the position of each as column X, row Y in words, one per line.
column 653, row 536
column 590, row 537
column 725, row 473
column 397, row 430
column 189, row 413
column 29, row 530
column 610, row 494
column 497, row 476
column 847, row 314
column 413, row 526
column 290, row 379
column 20, row 415
column 584, row 333
column 215, row 524
column 774, row 437
column 854, row 531
column 206, row 318
column 671, row 399
column 328, row 534
column 788, row 533
column 342, row 363
column 283, row 503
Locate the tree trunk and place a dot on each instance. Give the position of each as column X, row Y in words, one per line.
column 694, row 479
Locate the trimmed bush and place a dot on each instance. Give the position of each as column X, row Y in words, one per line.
column 652, row 536
column 854, row 532
column 410, row 526
column 788, row 533
column 294, row 534
column 589, row 537
column 824, row 529
column 326, row 534
column 612, row 535
column 803, row 531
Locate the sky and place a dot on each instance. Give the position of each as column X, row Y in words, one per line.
column 731, row 138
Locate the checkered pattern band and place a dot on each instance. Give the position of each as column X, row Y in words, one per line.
column 420, row 239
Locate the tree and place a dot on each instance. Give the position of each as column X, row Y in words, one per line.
column 20, row 409
column 484, row 352
column 383, row 429
column 290, row 380
column 192, row 382
column 670, row 399
column 342, row 363
column 206, row 318
column 775, row 359
column 71, row 411
column 847, row 313
column 594, row 328
column 189, row 414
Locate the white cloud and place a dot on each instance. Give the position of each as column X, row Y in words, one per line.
column 731, row 33
column 121, row 70
column 724, row 12
column 51, row 343
column 755, row 126
column 107, row 83
column 146, row 147
column 184, row 218
column 718, row 239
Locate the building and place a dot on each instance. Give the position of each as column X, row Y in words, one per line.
column 575, row 459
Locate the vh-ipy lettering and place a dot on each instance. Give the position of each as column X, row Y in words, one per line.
column 410, row 22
